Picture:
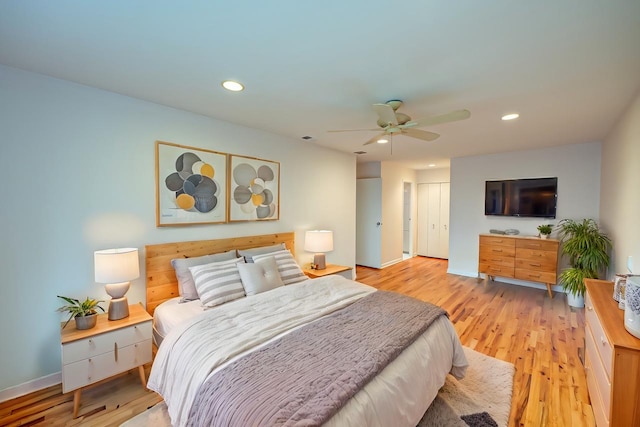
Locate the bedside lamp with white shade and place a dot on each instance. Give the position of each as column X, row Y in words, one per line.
column 115, row 268
column 319, row 241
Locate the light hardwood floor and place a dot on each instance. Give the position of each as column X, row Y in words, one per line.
column 542, row 337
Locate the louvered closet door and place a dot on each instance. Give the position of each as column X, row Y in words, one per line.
column 423, row 219
column 433, row 213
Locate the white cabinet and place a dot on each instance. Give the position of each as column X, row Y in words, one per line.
column 110, row 348
column 433, row 220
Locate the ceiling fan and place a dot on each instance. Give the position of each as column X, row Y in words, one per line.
column 391, row 122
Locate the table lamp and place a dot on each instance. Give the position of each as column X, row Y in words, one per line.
column 115, row 268
column 318, row 241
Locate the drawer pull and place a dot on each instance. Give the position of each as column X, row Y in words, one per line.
column 538, row 255
column 590, row 308
column 535, row 276
column 535, row 264
column 115, row 350
column 604, row 342
column 498, row 241
column 495, row 260
column 496, row 269
column 536, row 245
column 497, row 250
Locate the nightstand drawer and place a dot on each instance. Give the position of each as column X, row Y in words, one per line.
column 103, row 343
column 105, row 365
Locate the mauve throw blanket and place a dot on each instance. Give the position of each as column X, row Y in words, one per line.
column 305, row 377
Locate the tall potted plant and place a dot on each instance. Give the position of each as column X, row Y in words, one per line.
column 588, row 250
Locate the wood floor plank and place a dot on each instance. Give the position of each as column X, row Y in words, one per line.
column 542, row 337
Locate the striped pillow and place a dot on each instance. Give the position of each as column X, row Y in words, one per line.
column 218, row 282
column 289, row 270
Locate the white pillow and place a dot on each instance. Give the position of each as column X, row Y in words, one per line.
column 186, row 287
column 261, row 276
column 290, row 271
column 218, row 282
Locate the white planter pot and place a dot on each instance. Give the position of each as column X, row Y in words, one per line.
column 574, row 300
column 544, row 236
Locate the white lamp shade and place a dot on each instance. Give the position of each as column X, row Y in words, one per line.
column 116, row 265
column 318, row 241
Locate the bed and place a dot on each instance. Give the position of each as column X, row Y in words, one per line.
column 234, row 343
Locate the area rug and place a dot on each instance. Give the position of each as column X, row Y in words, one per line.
column 482, row 398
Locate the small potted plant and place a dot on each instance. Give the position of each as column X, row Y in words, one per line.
column 85, row 313
column 545, row 230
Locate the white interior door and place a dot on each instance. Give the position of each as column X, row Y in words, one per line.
column 444, row 219
column 433, row 234
column 369, row 222
column 423, row 219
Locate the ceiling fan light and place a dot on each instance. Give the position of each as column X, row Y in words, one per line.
column 232, row 86
column 511, row 116
column 382, row 141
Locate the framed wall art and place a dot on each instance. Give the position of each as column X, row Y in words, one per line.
column 254, row 189
column 191, row 186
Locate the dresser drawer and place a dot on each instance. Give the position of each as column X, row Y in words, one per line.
column 597, row 370
column 540, row 245
column 102, row 343
column 497, row 241
column 496, row 259
column 537, row 265
column 599, row 412
column 537, row 255
column 600, row 340
column 105, row 365
column 495, row 270
column 535, row 276
column 489, row 250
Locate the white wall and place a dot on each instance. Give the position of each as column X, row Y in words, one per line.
column 428, row 176
column 393, row 178
column 620, row 198
column 368, row 170
column 78, row 175
column 576, row 166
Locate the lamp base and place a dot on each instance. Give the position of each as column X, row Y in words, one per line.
column 319, row 261
column 118, row 308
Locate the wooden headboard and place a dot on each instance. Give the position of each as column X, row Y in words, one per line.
column 161, row 278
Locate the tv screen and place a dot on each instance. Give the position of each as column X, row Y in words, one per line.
column 533, row 197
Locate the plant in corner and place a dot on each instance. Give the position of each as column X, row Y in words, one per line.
column 588, row 250
column 545, row 230
column 77, row 309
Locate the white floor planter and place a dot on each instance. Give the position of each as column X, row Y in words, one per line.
column 574, row 300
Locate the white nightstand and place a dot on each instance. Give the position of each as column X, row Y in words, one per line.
column 108, row 349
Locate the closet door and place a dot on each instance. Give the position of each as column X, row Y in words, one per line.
column 433, row 215
column 423, row 219
column 444, row 220
column 433, row 220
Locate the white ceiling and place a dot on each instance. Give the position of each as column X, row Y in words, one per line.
column 569, row 67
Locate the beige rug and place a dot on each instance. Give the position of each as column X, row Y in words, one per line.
column 486, row 388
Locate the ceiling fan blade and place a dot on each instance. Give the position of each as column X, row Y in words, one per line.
column 445, row 118
column 420, row 134
column 374, row 139
column 386, row 114
column 352, row 130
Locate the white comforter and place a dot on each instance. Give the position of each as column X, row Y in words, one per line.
column 209, row 341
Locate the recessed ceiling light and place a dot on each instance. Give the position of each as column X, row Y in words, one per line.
column 512, row 116
column 232, row 86
column 432, row 165
column 382, row 141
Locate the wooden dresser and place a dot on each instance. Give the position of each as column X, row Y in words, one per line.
column 612, row 360
column 519, row 257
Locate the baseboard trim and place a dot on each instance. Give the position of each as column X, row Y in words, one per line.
column 30, row 386
column 392, row 262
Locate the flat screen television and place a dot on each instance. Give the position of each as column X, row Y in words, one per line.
column 531, row 197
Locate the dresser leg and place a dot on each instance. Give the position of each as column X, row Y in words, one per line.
column 76, row 402
column 549, row 290
column 143, row 380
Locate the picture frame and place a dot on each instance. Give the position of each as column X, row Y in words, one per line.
column 191, row 185
column 254, row 189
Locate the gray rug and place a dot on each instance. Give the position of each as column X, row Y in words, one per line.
column 482, row 398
